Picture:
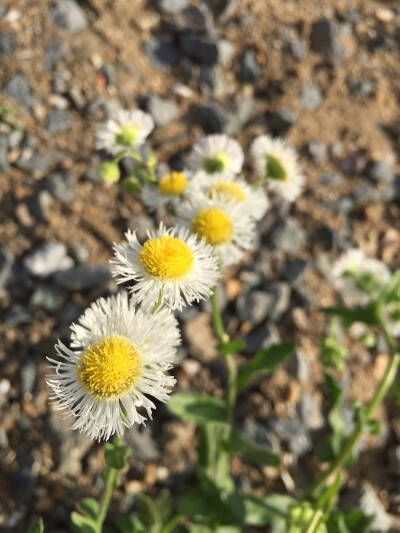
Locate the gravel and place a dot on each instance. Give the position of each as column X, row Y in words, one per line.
column 7, row 44
column 380, row 172
column 50, row 257
column 162, row 110
column 202, row 49
column 287, row 235
column 249, row 67
column 68, row 15
column 62, row 186
column 58, row 121
column 19, row 89
column 171, row 7
column 6, row 264
column 3, row 152
column 83, row 277
column 324, row 40
column 54, row 54
column 310, row 97
column 162, row 52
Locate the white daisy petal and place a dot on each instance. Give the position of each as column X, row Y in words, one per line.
column 216, row 153
column 124, row 131
column 223, row 224
column 120, row 356
column 277, row 163
column 172, row 267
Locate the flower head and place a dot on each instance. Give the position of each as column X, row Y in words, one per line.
column 172, row 267
column 126, row 130
column 215, row 154
column 229, row 188
column 277, row 164
column 170, row 189
column 223, row 224
column 119, row 358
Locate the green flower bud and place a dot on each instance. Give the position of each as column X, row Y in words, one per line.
column 152, row 161
column 109, row 172
column 368, row 339
column 131, row 185
column 299, row 518
column 127, row 136
column 333, row 354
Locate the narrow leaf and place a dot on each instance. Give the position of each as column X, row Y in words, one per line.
column 263, row 510
column 115, row 455
column 367, row 314
column 232, row 347
column 197, row 408
column 237, row 443
column 90, row 507
column 84, row 523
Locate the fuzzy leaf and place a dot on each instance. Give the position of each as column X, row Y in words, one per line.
column 232, row 347
column 115, row 455
column 237, row 443
column 197, row 408
column 90, row 507
column 84, row 524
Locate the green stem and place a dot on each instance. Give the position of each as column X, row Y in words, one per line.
column 232, row 387
column 380, row 393
column 257, row 184
column 218, row 326
column 111, row 476
column 312, row 526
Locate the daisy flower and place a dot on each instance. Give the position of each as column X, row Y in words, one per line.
column 357, row 276
column 223, row 224
column 169, row 190
column 276, row 163
column 172, row 267
column 216, row 154
column 118, row 357
column 231, row 188
column 126, row 130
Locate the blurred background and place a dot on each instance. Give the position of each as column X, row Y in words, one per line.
column 324, row 75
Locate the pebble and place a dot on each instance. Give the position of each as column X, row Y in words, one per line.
column 261, row 434
column 55, row 52
column 68, row 15
column 79, row 253
column 211, row 79
column 162, row 52
column 287, row 235
column 293, row 269
column 35, row 162
column 310, row 412
column 171, row 7
column 144, row 446
column 62, row 186
column 310, row 97
column 3, row 439
column 324, row 40
column 298, row 366
column 141, row 224
column 82, row 277
column 225, row 51
column 162, row 110
column 16, row 315
column 6, row 264
column 363, row 497
column 58, row 121
column 40, row 206
column 280, row 121
column 249, row 67
column 15, row 137
column 331, row 179
column 28, row 374
column 19, row 89
column 3, row 152
column 261, row 337
column 298, row 49
column 109, row 73
column 364, row 88
column 58, row 85
column 50, row 257
column 47, row 298
column 279, row 295
column 295, row 433
column 202, row 49
column 379, row 171
column 318, row 151
column 5, row 387
column 254, row 306
column 7, row 44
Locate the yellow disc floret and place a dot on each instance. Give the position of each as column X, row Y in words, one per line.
column 229, row 189
column 167, row 257
column 213, row 224
column 172, row 184
column 108, row 368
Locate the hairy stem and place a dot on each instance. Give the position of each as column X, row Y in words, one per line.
column 314, row 523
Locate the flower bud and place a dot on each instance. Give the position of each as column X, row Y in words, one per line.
column 131, row 185
column 109, row 172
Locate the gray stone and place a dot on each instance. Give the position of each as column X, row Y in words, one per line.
column 249, row 67
column 162, row 110
column 24, row 478
column 144, row 446
column 141, row 224
column 15, row 137
column 298, row 366
column 279, row 295
column 83, row 277
column 227, row 9
column 109, row 73
column 262, row 435
column 58, row 85
column 287, row 235
column 28, row 376
column 332, row 179
column 62, row 186
column 295, row 433
column 6, row 264
column 211, row 79
column 58, row 121
column 172, row 7
column 201, row 49
column 225, row 51
column 310, row 97
column 47, row 298
column 254, row 306
column 40, row 206
column 298, row 49
column 55, row 52
column 36, row 162
column 318, row 151
column 341, row 205
column 50, row 257
column 261, row 337
column 3, row 152
column 395, row 459
column 363, row 497
column 364, row 88
column 19, row 89
column 280, row 121
column 77, row 98
column 67, row 15
column 3, row 439
column 162, row 52
column 293, row 269
column 80, row 254
column 16, row 315
column 310, row 412
column 7, row 44
column 325, row 41
column 379, row 171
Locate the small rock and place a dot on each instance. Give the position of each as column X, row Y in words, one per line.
column 261, row 337
column 109, row 73
column 280, row 121
column 3, row 439
column 262, row 435
column 295, row 433
column 249, row 67
column 5, row 387
column 3, row 152
column 200, row 338
column 144, row 446
column 47, row 259
column 172, row 7
column 67, row 15
column 15, row 137
column 36, row 162
column 16, row 315
column 162, row 110
column 287, row 235
column 225, row 51
column 331, row 179
column 310, row 97
column 363, row 497
column 82, row 277
column 298, row 49
column 28, row 376
column 77, row 98
column 55, row 52
column 47, row 298
column 318, row 151
column 203, row 50
column 293, row 269
column 254, row 306
column 279, row 294
column 58, row 85
column 395, row 460
column 58, row 121
column 6, row 264
column 40, row 206
column 162, row 52
column 364, row 88
column 80, row 254
column 7, row 44
column 325, row 41
column 62, row 186
column 379, row 171
column 298, row 366
column 310, row 412
column 25, row 477
column 18, row 88
column 211, row 79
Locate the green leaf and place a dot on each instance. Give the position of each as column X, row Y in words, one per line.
column 116, row 455
column 207, row 509
column 231, row 347
column 90, row 507
column 164, row 505
column 263, row 510
column 193, row 407
column 391, row 291
column 372, row 426
column 36, row 527
column 128, row 524
column 325, row 501
column 264, row 362
column 350, row 522
column 212, row 462
column 148, row 510
column 367, row 314
column 85, row 524
column 237, row 443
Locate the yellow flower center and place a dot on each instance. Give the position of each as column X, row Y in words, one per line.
column 166, row 257
column 213, row 224
column 230, row 189
column 109, row 367
column 172, row 184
